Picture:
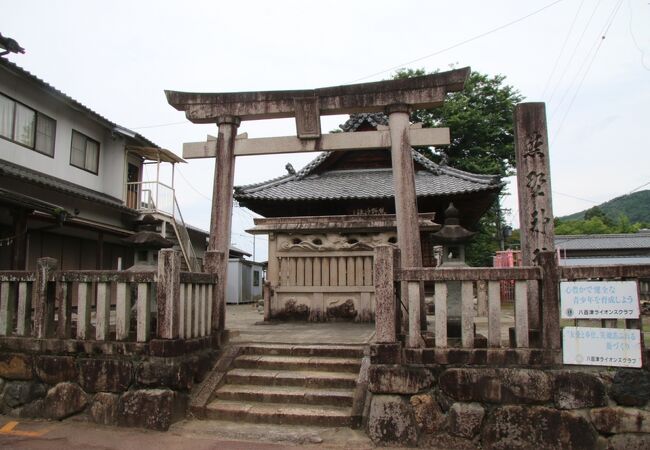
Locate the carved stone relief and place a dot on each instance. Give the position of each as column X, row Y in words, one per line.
column 335, row 241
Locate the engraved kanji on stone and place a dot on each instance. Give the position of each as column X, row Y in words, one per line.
column 538, row 221
column 534, row 143
column 535, row 182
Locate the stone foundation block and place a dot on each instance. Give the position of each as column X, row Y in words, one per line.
column 15, row 366
column 447, row 442
column 465, row 419
column 629, row 442
column 155, row 409
column 105, row 375
column 496, row 385
column 63, row 400
column 395, row 379
column 428, row 415
column 631, row 387
column 164, row 372
column 56, row 369
column 18, row 393
column 103, row 408
column 201, row 364
column 391, row 421
column 620, row 420
column 573, row 390
column 386, row 353
column 521, row 427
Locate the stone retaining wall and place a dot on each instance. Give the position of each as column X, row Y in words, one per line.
column 106, row 384
column 509, row 408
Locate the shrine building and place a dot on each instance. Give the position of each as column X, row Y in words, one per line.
column 324, row 221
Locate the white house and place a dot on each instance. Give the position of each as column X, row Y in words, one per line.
column 71, row 183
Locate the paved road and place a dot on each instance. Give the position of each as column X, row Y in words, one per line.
column 195, row 435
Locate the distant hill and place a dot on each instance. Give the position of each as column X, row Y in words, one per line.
column 635, row 206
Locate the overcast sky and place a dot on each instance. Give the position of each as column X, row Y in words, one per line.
column 117, row 57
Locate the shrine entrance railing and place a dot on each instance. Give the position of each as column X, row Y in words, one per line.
column 519, row 344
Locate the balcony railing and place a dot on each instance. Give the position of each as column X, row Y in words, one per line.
column 157, row 197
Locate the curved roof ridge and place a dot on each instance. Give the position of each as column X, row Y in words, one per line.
column 313, row 164
column 437, row 169
column 254, row 187
column 428, row 164
column 356, row 119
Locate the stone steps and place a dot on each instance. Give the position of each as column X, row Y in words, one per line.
column 285, row 394
column 281, row 362
column 279, row 413
column 339, row 351
column 289, row 384
column 303, row 378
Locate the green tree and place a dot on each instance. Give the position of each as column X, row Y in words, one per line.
column 480, row 122
column 599, row 213
column 595, row 223
column 482, row 141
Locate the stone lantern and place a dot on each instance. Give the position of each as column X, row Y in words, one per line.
column 453, row 237
column 146, row 243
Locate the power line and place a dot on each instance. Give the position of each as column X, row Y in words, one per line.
column 191, row 186
column 584, row 76
column 636, row 44
column 559, row 56
column 573, row 54
column 466, row 41
column 577, row 198
column 637, row 188
column 159, row 125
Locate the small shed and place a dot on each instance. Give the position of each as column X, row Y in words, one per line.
column 245, row 278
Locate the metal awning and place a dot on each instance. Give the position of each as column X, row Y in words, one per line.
column 155, row 154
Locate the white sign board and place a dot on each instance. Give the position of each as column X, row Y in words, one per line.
column 599, row 300
column 601, row 346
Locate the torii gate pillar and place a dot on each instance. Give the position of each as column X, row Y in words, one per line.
column 220, row 216
column 406, row 209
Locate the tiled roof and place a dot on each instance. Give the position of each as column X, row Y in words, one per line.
column 356, row 120
column 74, row 104
column 8, row 169
column 365, row 183
column 639, row 240
column 605, row 261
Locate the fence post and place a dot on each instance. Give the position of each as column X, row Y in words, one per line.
column 385, row 305
column 213, row 262
column 43, row 298
column 168, row 293
column 266, row 290
column 549, row 301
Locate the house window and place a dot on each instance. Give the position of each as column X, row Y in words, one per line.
column 84, row 152
column 256, row 278
column 26, row 126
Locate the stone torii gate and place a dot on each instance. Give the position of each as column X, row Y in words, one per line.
column 395, row 97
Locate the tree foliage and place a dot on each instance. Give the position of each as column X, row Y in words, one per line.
column 636, row 206
column 597, row 224
column 482, row 141
column 480, row 122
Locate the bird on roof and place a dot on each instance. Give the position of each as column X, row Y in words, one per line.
column 9, row 45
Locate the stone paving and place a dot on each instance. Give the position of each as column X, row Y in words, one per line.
column 247, row 325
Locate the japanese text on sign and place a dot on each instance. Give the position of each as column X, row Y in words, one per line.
column 599, row 300
column 601, row 346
